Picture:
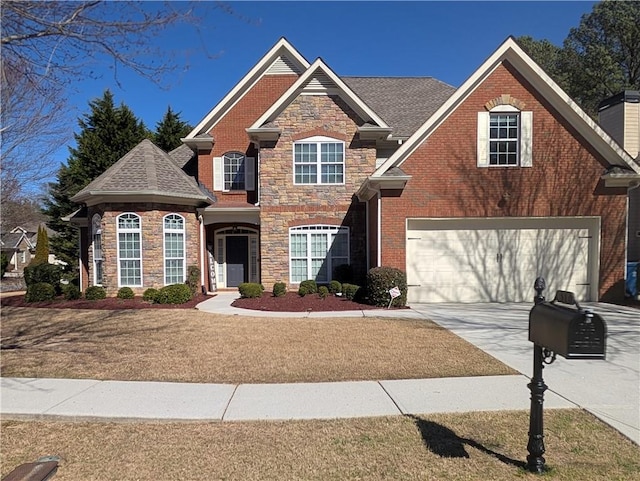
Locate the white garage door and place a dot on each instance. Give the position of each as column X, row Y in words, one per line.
column 498, row 260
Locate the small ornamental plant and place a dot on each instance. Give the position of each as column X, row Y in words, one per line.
column 94, row 293
column 125, row 293
column 323, row 292
column 279, row 289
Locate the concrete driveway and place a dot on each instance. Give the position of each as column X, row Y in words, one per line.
column 609, row 389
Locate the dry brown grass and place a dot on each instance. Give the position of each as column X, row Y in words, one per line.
column 192, row 346
column 445, row 447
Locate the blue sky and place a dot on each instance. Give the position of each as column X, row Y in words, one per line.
column 447, row 40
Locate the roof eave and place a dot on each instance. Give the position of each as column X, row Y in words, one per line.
column 621, row 180
column 198, row 143
column 374, row 133
column 263, row 134
column 99, row 197
column 372, row 185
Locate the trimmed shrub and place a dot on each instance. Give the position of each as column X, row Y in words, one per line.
column 150, row 295
column 250, row 290
column 303, row 291
column 4, row 263
column 350, row 291
column 40, row 291
column 71, row 292
column 310, row 285
column 174, row 294
column 380, row 280
column 125, row 293
column 42, row 248
column 323, row 292
column 49, row 273
column 193, row 278
column 335, row 287
column 279, row 289
column 343, row 273
column 94, row 293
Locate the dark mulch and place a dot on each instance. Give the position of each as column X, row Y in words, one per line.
column 292, row 302
column 110, row 303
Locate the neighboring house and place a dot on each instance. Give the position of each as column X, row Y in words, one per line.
column 19, row 246
column 474, row 191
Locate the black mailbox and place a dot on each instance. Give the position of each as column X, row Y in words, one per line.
column 570, row 333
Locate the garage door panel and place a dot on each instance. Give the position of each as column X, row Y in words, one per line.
column 496, row 265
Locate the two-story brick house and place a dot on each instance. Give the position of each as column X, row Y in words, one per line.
column 298, row 172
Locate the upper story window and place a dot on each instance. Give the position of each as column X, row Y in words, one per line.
column 318, row 160
column 233, row 172
column 504, row 137
column 129, row 250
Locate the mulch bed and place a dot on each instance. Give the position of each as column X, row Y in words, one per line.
column 110, row 303
column 292, row 302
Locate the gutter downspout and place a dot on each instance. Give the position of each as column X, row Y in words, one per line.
column 379, row 228
column 80, row 259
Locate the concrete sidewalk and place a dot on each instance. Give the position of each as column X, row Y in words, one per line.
column 83, row 399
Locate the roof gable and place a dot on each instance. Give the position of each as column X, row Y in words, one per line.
column 319, row 79
column 281, row 59
column 510, row 51
column 146, row 170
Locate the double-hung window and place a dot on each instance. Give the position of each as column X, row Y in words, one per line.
column 316, row 251
column 96, row 228
column 174, row 251
column 318, row 160
column 129, row 250
column 505, row 137
column 233, row 172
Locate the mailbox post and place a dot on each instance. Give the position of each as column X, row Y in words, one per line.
column 555, row 329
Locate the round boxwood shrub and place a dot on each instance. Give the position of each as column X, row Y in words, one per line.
column 350, row 291
column 40, row 291
column 303, row 291
column 94, row 293
column 279, row 289
column 323, row 291
column 125, row 293
column 335, row 287
column 380, row 280
column 71, row 292
column 150, row 295
column 310, row 285
column 250, row 290
column 174, row 294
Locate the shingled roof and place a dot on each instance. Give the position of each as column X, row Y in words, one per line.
column 144, row 170
column 404, row 103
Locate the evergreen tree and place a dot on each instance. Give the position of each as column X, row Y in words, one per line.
column 170, row 130
column 107, row 133
column 42, row 248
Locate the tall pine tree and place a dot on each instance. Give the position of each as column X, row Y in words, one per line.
column 170, row 130
column 107, row 133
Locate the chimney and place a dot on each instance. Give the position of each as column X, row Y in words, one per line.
column 619, row 116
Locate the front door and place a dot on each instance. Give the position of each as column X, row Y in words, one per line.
column 237, row 248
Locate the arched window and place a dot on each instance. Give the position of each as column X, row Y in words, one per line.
column 174, row 249
column 129, row 250
column 96, row 235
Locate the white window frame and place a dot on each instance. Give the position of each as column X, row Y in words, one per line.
column 319, row 141
column 524, row 141
column 96, row 248
column 168, row 230
column 131, row 231
column 219, row 183
column 309, row 231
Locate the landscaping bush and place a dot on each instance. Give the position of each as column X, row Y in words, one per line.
column 150, row 295
column 94, row 293
column 279, row 289
column 174, row 294
column 323, row 292
column 380, row 280
column 40, row 291
column 303, row 291
column 310, row 285
column 335, row 287
column 71, row 292
column 250, row 290
column 48, row 273
column 125, row 293
column 193, row 278
column 350, row 291
column 4, row 263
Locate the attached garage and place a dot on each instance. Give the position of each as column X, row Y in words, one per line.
column 498, row 259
